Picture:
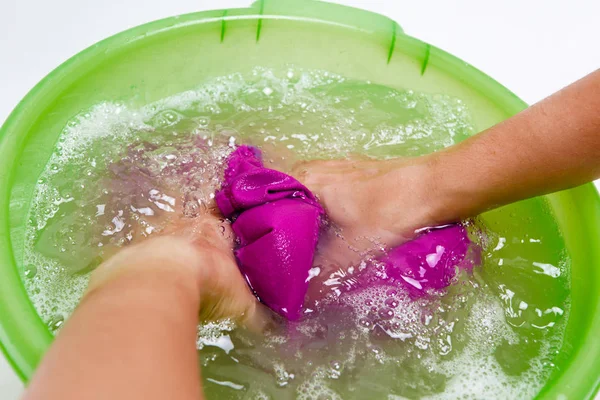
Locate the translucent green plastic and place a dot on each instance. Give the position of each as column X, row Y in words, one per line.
column 169, row 56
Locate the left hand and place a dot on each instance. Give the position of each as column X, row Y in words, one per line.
column 199, row 249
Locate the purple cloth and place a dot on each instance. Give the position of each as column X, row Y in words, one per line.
column 276, row 220
column 430, row 260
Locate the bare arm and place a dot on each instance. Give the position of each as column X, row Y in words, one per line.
column 133, row 336
column 551, row 146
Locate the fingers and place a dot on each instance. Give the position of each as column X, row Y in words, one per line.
column 203, row 230
column 314, row 174
column 259, row 318
column 238, row 303
column 329, row 171
column 213, row 231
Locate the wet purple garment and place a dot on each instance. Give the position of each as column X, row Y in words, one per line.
column 430, row 260
column 276, row 220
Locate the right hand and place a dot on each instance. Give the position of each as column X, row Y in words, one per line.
column 374, row 200
column 374, row 206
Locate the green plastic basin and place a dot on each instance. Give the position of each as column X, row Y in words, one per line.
column 169, row 56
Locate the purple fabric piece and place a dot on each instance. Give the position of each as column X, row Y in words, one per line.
column 430, row 260
column 276, row 220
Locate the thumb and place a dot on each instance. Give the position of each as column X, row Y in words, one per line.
column 259, row 318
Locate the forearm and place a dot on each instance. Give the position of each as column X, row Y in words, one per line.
column 551, row 146
column 131, row 337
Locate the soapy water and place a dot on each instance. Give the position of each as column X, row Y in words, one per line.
column 121, row 173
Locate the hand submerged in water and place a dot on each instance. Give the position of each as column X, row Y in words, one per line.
column 200, row 250
column 142, row 308
column 373, row 201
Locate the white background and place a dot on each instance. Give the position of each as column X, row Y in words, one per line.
column 534, row 47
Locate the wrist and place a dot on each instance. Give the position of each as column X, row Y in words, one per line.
column 154, row 292
column 162, row 269
column 454, row 195
column 405, row 198
column 438, row 202
column 432, row 204
column 431, row 201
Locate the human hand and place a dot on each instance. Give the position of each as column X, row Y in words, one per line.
column 199, row 251
column 374, row 202
column 143, row 305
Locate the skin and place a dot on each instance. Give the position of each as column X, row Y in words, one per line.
column 134, row 333
column 133, row 336
column 551, row 146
